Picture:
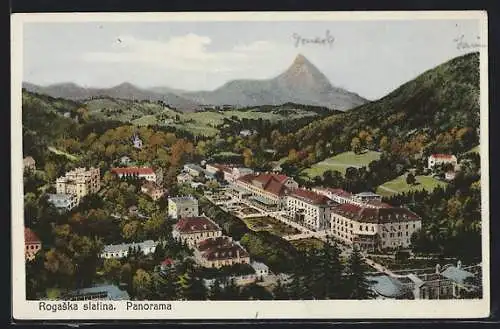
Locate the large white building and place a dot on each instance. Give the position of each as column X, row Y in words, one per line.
column 220, row 251
column 79, row 182
column 192, row 230
column 147, row 173
column 184, row 206
column 374, row 228
column 63, row 202
column 121, row 250
column 231, row 173
column 364, row 199
column 309, row 208
column 437, row 159
column 266, row 190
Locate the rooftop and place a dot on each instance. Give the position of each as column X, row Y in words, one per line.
column 179, row 199
column 220, row 248
column 193, row 166
column 310, row 197
column 362, row 194
column 456, row 274
column 112, row 292
column 375, row 215
column 272, row 183
column 133, row 171
column 30, row 236
column 443, row 156
column 387, row 286
column 196, row 224
column 126, row 246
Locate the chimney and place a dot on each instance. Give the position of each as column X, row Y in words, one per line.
column 438, row 268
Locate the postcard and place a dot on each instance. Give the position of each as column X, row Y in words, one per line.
column 250, row 165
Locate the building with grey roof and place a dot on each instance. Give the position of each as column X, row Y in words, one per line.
column 98, row 292
column 63, row 201
column 121, row 250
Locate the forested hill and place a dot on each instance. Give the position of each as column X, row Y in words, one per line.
column 437, row 111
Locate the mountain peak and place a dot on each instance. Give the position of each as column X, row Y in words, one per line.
column 300, row 59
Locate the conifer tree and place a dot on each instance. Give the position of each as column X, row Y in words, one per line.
column 280, row 292
column 215, row 292
column 356, row 284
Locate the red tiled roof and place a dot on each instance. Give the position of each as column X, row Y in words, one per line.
column 220, row 248
column 443, row 156
column 339, row 192
column 271, row 183
column 309, row 196
column 196, row 224
column 168, row 261
column 30, row 236
column 222, row 167
column 133, row 171
column 379, row 204
column 375, row 215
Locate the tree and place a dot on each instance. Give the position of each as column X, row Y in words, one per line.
column 385, row 145
column 248, row 158
column 231, row 291
column 356, row 145
column 215, row 292
column 112, row 269
column 141, row 283
column 280, row 292
column 356, row 284
column 410, row 179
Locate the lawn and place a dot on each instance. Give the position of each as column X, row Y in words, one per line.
column 341, row 162
column 475, row 149
column 307, row 244
column 269, row 224
column 59, row 152
column 398, row 185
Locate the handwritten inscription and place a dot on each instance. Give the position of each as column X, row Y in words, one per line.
column 462, row 43
column 326, row 40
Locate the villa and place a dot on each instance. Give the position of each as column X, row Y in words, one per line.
column 438, row 159
column 184, row 206
column 118, row 251
column 191, row 230
column 220, row 251
column 79, row 182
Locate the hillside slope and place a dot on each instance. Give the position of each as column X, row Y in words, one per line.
column 125, row 91
column 439, row 101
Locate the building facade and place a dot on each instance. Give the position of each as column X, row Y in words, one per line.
column 338, row 195
column 192, row 230
column 29, row 164
column 63, row 202
column 118, row 251
column 309, row 208
column 193, row 169
column 437, row 159
column 184, row 206
column 32, row 244
column 266, row 190
column 374, row 228
column 147, row 173
column 220, row 251
column 152, row 189
column 79, row 182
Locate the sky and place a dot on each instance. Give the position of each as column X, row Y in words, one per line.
column 371, row 58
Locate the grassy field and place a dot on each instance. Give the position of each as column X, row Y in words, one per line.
column 398, row 185
column 269, row 224
column 475, row 149
column 307, row 244
column 341, row 162
column 197, row 123
column 59, row 152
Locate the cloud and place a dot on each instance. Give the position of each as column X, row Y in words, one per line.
column 186, row 53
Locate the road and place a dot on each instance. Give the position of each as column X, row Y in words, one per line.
column 320, row 235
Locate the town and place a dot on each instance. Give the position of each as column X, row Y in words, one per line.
column 216, row 257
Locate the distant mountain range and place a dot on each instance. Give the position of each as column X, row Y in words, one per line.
column 301, row 83
column 123, row 91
